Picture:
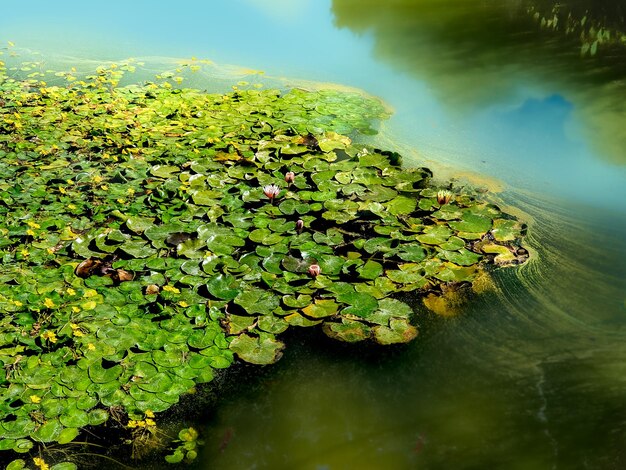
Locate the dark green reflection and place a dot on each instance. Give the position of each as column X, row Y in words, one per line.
column 474, row 53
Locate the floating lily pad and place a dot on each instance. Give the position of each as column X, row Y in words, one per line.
column 348, row 330
column 262, row 349
column 398, row 331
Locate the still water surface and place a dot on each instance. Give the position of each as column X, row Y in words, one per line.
column 532, row 376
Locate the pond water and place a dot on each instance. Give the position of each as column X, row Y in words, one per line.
column 532, row 376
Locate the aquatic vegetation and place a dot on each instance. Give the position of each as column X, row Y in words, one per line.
column 151, row 235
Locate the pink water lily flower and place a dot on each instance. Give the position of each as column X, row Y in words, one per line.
column 315, row 270
column 271, row 191
column 290, row 177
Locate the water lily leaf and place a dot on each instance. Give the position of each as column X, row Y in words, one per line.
column 463, row 257
column 206, row 197
column 255, row 300
column 164, row 171
column 139, row 224
column 375, row 159
column 22, row 446
column 435, row 235
column 321, row 308
column 99, row 374
column 265, row 236
column 401, row 205
column 380, row 193
column 370, row 270
column 224, row 286
column 74, row 418
column 193, row 248
column 235, row 324
column 360, row 304
column 167, row 358
column 48, row 432
column 398, row 331
column 394, row 308
column 68, row 435
column 506, row 230
column 137, row 249
column 348, row 330
column 332, row 141
column 472, row 223
column 264, row 349
column 504, row 255
column 159, row 382
column 295, row 319
column 453, row 244
column 411, row 252
column 297, row 301
column 272, row 324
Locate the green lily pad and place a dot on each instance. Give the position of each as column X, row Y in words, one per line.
column 360, row 304
column 255, row 300
column 348, row 330
column 472, row 223
column 321, row 308
column 398, row 331
column 506, row 230
column 435, row 235
column 48, row 432
column 262, row 349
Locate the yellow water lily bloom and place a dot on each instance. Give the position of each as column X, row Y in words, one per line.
column 172, row 289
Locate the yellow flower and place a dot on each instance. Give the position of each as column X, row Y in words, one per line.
column 35, row 399
column 69, row 181
column 30, row 232
column 121, row 200
column 48, row 303
column 97, row 179
column 183, row 304
column 25, row 252
column 62, row 190
column 32, row 224
column 130, row 191
column 91, row 347
column 39, row 462
column 17, row 303
column 75, row 309
column 104, row 187
column 149, row 414
column 172, row 289
column 71, row 206
column 50, row 336
column 76, row 330
column 50, row 251
column 150, row 422
column 70, row 291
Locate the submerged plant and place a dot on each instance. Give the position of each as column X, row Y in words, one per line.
column 141, row 255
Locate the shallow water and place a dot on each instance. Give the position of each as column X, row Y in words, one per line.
column 532, row 376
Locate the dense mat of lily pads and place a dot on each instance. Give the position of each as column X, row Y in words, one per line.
column 151, row 235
